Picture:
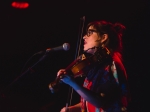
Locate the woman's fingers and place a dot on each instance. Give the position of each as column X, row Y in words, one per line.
column 64, row 110
column 61, row 72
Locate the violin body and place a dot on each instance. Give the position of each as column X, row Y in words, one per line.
column 101, row 56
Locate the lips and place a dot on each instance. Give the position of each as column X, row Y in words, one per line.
column 85, row 42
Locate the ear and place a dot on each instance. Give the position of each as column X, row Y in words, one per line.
column 104, row 38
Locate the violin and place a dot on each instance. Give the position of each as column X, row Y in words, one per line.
column 80, row 66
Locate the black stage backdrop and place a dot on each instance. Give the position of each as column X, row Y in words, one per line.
column 47, row 24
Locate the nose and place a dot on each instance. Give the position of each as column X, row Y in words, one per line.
column 84, row 36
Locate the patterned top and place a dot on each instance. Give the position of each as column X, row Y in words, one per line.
column 105, row 81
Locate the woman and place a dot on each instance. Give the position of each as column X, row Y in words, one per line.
column 105, row 88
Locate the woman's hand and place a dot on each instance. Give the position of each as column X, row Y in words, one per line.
column 64, row 109
column 62, row 74
column 74, row 108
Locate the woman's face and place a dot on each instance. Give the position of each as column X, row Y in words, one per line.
column 91, row 39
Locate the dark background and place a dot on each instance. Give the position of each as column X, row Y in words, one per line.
column 47, row 24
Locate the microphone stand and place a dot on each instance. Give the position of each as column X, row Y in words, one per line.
column 29, row 69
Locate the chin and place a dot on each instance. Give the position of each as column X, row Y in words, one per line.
column 89, row 51
column 85, row 49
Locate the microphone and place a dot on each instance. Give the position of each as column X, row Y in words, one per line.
column 64, row 47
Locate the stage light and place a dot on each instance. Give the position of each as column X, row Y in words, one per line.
column 20, row 5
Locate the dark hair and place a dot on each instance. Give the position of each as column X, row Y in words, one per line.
column 114, row 31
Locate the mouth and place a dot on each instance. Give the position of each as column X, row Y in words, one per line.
column 85, row 42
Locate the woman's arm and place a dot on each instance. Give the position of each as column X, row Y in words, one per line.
column 108, row 91
column 86, row 94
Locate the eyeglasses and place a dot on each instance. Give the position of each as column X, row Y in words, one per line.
column 90, row 32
